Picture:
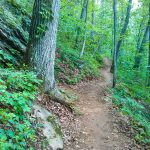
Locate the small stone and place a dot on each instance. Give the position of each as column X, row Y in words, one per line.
column 116, row 136
column 77, row 146
column 107, row 138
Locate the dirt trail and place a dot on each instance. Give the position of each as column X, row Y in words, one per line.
column 97, row 128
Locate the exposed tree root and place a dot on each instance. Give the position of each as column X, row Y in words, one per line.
column 62, row 98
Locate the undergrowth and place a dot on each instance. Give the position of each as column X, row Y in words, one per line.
column 17, row 92
column 71, row 69
column 135, row 81
column 133, row 99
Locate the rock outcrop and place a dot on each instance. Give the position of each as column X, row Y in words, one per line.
column 14, row 28
column 51, row 127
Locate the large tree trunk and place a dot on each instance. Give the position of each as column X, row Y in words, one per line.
column 42, row 44
column 148, row 83
column 115, row 48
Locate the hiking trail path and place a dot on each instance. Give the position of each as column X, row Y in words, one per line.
column 98, row 127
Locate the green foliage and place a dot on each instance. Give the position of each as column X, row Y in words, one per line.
column 91, row 64
column 13, row 12
column 134, row 82
column 46, row 11
column 19, row 88
column 41, row 29
column 70, row 68
column 132, row 96
column 46, row 15
column 6, row 59
column 137, row 111
column 17, row 92
column 25, row 6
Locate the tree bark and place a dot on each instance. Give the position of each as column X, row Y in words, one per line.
column 42, row 43
column 115, row 41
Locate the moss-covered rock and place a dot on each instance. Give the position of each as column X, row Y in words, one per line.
column 14, row 27
column 51, row 127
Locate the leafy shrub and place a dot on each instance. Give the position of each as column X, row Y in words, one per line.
column 17, row 91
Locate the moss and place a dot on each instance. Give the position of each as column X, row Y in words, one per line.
column 70, row 95
column 56, row 125
column 77, row 111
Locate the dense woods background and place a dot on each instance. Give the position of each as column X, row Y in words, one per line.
column 85, row 35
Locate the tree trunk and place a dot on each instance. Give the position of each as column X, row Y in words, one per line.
column 148, row 83
column 101, row 16
column 115, row 47
column 84, row 39
column 92, row 41
column 93, row 18
column 99, row 45
column 83, row 45
column 83, row 14
column 42, row 44
column 139, row 39
column 140, row 49
column 123, row 31
column 149, row 62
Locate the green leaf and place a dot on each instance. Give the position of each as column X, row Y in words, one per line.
column 10, row 133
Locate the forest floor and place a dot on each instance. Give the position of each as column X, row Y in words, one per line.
column 99, row 127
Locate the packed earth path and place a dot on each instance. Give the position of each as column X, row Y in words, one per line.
column 98, row 128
